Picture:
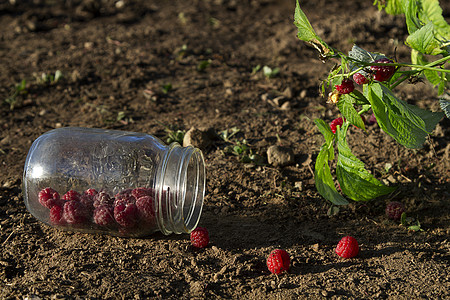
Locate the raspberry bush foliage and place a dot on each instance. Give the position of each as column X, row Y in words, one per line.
column 376, row 77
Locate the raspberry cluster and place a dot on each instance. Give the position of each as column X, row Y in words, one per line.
column 126, row 211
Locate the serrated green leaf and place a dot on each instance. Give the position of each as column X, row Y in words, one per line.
column 424, row 41
column 355, row 181
column 410, row 8
column 419, row 59
column 324, row 180
column 360, row 54
column 432, row 12
column 347, row 109
column 358, row 98
column 445, row 106
column 394, row 7
column 325, row 129
column 306, row 32
column 407, row 124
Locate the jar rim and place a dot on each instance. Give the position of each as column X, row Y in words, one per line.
column 180, row 189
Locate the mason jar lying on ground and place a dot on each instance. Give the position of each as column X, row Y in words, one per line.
column 115, row 182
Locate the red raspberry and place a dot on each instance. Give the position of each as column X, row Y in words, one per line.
column 383, row 73
column 200, row 237
column 140, row 192
column 335, row 123
column 145, row 207
column 278, row 261
column 124, row 196
column 56, row 215
column 126, row 214
column 48, row 197
column 394, row 210
column 345, row 87
column 104, row 215
column 91, row 192
column 347, row 247
column 87, row 198
column 102, row 198
column 372, row 120
column 75, row 212
column 71, row 195
column 359, row 78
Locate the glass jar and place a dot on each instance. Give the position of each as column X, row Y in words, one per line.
column 115, row 182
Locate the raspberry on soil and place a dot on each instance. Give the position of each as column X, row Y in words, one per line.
column 383, row 73
column 347, row 247
column 126, row 214
column 394, row 210
column 335, row 123
column 75, row 212
column 200, row 237
column 48, row 197
column 278, row 261
column 346, row 87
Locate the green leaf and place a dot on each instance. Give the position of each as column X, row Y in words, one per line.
column 325, row 129
column 355, row 181
column 358, row 98
column 306, row 32
column 424, row 41
column 324, row 180
column 445, row 106
column 410, row 8
column 394, row 7
column 432, row 12
column 347, row 109
column 419, row 59
column 407, row 124
column 360, row 54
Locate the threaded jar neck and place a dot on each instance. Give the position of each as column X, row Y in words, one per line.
column 180, row 189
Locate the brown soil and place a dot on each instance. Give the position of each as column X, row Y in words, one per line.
column 117, row 59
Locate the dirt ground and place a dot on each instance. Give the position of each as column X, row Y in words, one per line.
column 136, row 65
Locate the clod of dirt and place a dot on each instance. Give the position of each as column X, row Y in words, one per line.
column 280, row 156
column 200, row 138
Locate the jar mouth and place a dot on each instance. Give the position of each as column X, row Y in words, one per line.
column 180, row 189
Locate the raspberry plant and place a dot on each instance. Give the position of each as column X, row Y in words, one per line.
column 409, row 125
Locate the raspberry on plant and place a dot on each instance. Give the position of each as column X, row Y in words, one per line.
column 383, row 73
column 346, row 87
column 360, row 78
column 56, row 215
column 75, row 212
column 145, row 207
column 372, row 120
column 394, row 210
column 71, row 195
column 200, row 237
column 104, row 215
column 278, row 261
column 333, row 125
column 126, row 214
column 347, row 247
column 48, row 197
